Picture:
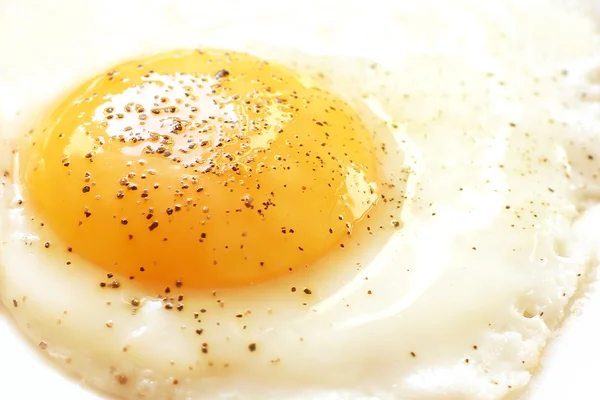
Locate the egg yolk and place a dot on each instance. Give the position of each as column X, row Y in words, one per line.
column 214, row 168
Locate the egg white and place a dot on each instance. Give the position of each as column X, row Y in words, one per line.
column 486, row 135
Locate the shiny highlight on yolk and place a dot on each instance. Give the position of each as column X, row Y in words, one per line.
column 214, row 168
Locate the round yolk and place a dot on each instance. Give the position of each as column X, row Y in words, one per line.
column 214, row 168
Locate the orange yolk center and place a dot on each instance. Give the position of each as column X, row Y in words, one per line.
column 214, row 168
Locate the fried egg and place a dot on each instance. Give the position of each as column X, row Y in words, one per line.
column 209, row 204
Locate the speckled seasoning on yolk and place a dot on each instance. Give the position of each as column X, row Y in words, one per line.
column 216, row 169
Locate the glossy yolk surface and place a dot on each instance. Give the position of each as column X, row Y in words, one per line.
column 217, row 169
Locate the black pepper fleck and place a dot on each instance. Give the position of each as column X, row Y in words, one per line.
column 222, row 74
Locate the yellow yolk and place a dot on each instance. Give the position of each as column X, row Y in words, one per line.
column 213, row 168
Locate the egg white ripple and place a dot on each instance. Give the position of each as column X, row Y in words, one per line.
column 496, row 138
